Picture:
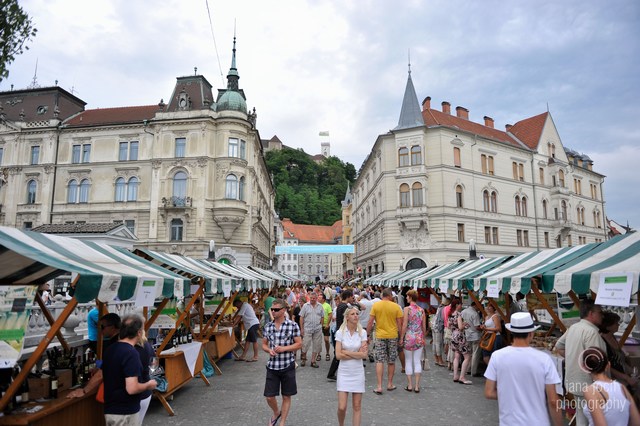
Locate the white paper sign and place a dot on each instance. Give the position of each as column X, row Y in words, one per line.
column 444, row 286
column 614, row 289
column 178, row 288
column 254, row 287
column 109, row 288
column 226, row 288
column 146, row 291
column 493, row 289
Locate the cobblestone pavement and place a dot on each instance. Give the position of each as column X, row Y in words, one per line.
column 235, row 398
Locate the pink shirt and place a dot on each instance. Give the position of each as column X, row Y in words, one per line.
column 445, row 313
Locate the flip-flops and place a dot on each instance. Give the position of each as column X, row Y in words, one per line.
column 392, row 388
column 377, row 392
column 252, row 360
column 408, row 389
column 417, row 390
column 275, row 421
column 465, row 382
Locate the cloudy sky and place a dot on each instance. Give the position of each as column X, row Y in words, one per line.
column 341, row 66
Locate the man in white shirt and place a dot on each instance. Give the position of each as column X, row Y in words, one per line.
column 251, row 326
column 473, row 333
column 574, row 341
column 523, row 379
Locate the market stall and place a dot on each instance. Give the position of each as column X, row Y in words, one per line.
column 100, row 273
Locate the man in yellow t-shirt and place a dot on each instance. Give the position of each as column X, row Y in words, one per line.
column 326, row 332
column 388, row 318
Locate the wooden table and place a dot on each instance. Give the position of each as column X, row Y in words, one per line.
column 222, row 344
column 61, row 412
column 178, row 374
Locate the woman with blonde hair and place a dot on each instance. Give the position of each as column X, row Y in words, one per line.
column 412, row 338
column 351, row 349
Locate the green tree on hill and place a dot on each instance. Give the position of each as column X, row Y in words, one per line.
column 306, row 192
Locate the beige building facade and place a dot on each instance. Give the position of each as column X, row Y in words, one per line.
column 438, row 181
column 178, row 175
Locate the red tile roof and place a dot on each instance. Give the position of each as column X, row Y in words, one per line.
column 530, row 129
column 312, row 233
column 119, row 115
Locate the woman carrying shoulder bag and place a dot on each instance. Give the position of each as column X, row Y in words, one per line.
column 492, row 324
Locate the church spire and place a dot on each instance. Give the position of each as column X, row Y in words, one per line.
column 233, row 76
column 410, row 114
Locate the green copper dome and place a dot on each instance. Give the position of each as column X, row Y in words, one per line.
column 231, row 101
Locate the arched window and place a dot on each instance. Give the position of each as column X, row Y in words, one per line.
column 176, row 229
column 132, row 189
column 403, row 157
column 494, row 202
column 564, row 210
column 72, row 191
column 404, row 195
column 416, row 194
column 84, row 191
column 32, row 186
column 416, row 155
column 231, row 188
column 180, row 185
column 121, row 190
column 561, row 178
column 241, row 189
column 486, row 204
column 518, row 210
column 544, row 209
column 459, row 199
column 524, row 206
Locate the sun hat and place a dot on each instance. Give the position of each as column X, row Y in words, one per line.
column 521, row 322
column 445, row 301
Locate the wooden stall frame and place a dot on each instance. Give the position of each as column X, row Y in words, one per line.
column 39, row 351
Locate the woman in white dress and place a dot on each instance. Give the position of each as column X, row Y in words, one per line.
column 351, row 349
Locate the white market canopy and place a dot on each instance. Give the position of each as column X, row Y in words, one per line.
column 273, row 274
column 31, row 258
column 515, row 275
column 618, row 256
column 459, row 278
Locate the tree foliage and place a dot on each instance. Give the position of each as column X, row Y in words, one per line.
column 16, row 29
column 306, row 192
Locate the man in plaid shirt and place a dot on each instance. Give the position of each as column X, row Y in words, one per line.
column 281, row 341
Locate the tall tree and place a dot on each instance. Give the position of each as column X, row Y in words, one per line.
column 16, row 29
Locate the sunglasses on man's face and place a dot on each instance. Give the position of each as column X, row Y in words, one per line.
column 276, row 309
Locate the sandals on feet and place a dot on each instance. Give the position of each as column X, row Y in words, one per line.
column 328, row 357
column 417, row 390
column 275, row 421
column 314, row 365
column 318, row 358
column 465, row 382
column 377, row 392
column 408, row 389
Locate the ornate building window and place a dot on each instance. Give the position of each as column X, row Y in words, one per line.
column 486, row 201
column 405, row 198
column 121, row 190
column 416, row 155
column 176, row 229
column 231, row 187
column 457, row 161
column 545, row 206
column 494, row 202
column 72, row 191
column 180, row 185
column 416, row 194
column 132, row 189
column 459, row 197
column 35, row 155
column 32, row 188
column 84, row 191
column 181, row 147
column 233, row 147
column 403, row 157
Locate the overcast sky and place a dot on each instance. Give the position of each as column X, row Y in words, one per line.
column 341, row 66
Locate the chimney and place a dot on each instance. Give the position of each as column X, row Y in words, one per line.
column 488, row 121
column 508, row 127
column 462, row 112
column 446, row 107
column 426, row 104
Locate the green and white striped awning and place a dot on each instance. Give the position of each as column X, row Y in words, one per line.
column 420, row 281
column 104, row 271
column 462, row 278
column 515, row 275
column 273, row 274
column 404, row 278
column 433, row 278
column 186, row 265
column 619, row 256
column 248, row 279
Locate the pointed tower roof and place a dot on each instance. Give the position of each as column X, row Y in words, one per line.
column 410, row 115
column 232, row 99
column 348, row 198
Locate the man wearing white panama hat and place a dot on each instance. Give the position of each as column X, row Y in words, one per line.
column 523, row 379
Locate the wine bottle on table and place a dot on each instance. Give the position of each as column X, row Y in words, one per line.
column 53, row 385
